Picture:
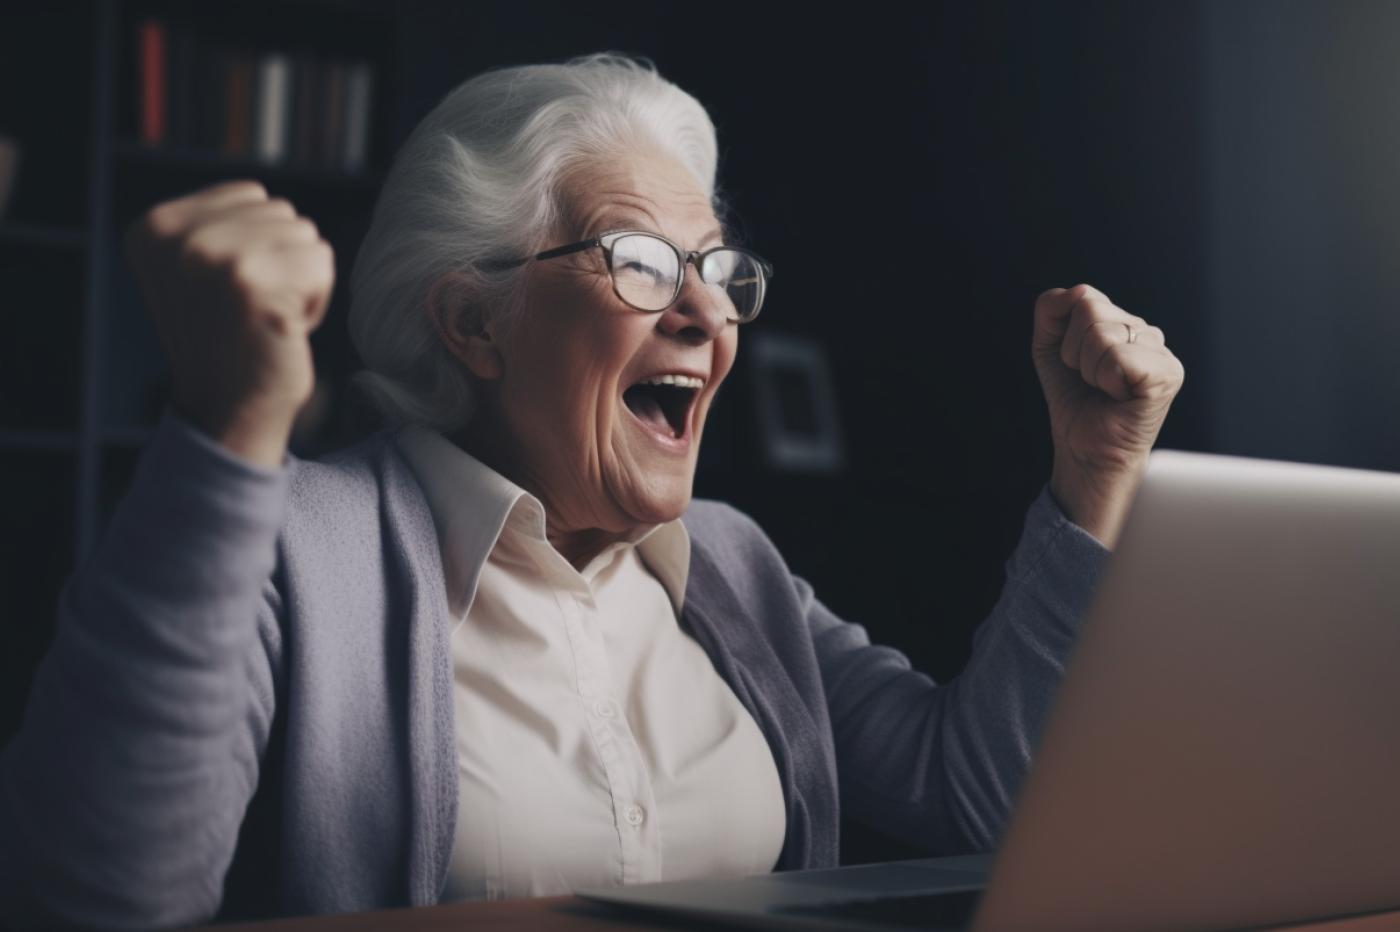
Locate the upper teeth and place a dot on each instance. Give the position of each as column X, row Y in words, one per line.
column 684, row 381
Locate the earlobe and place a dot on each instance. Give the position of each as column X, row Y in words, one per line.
column 462, row 329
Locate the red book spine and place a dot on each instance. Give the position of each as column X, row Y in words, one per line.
column 151, row 48
column 238, row 93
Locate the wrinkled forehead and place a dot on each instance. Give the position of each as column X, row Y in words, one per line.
column 641, row 191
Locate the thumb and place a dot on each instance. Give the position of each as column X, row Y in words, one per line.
column 1052, row 312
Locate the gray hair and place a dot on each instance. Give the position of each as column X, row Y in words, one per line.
column 480, row 179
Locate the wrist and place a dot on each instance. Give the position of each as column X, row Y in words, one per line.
column 257, row 436
column 1097, row 503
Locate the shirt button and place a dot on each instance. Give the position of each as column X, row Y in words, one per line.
column 604, row 708
column 634, row 815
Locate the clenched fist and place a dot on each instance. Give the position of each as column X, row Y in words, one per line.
column 235, row 282
column 1108, row 379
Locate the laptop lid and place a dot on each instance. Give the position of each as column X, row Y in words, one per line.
column 1225, row 748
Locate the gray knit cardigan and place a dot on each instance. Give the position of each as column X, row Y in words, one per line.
column 247, row 708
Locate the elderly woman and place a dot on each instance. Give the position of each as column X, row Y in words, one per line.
column 496, row 650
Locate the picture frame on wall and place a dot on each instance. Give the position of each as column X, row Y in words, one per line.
column 795, row 400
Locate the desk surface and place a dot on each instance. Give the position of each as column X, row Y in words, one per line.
column 561, row 913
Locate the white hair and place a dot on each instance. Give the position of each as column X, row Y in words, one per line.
column 480, row 180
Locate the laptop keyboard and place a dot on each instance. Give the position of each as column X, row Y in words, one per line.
column 933, row 911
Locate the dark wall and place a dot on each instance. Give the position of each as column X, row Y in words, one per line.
column 918, row 177
column 1303, row 133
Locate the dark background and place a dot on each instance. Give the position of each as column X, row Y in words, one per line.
column 1226, row 171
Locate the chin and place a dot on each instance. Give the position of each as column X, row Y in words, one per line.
column 663, row 505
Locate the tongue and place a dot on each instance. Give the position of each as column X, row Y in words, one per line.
column 648, row 410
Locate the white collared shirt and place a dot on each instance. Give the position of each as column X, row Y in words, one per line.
column 596, row 743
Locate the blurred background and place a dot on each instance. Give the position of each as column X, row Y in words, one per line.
column 917, row 177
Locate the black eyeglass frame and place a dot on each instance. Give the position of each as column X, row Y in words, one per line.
column 604, row 242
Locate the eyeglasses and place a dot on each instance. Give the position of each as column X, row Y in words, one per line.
column 648, row 270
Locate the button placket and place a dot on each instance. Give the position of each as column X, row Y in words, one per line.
column 623, row 768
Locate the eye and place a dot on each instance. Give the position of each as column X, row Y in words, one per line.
column 638, row 267
column 643, row 255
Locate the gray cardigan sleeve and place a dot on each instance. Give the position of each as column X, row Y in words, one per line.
column 940, row 766
column 122, row 794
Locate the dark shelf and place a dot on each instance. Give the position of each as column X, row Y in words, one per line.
column 196, row 161
column 53, row 440
column 41, row 371
column 31, row 234
column 36, row 509
column 127, row 436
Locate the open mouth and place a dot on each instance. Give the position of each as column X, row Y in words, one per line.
column 663, row 402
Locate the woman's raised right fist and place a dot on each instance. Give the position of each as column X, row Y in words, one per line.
column 235, row 282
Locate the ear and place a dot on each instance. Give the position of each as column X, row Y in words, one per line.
column 467, row 333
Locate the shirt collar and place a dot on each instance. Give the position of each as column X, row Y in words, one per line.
column 472, row 505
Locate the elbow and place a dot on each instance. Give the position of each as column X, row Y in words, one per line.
column 44, row 889
column 48, row 899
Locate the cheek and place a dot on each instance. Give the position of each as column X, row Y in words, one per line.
column 570, row 390
column 728, row 349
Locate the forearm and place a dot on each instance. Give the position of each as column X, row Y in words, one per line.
column 940, row 765
column 1005, row 692
column 123, row 790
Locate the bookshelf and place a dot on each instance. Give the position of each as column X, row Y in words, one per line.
column 82, row 376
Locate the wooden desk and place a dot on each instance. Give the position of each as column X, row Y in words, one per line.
column 569, row 914
column 546, row 914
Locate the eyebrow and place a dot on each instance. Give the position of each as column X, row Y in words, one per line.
column 612, row 222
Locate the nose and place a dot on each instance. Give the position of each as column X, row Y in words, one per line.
column 700, row 312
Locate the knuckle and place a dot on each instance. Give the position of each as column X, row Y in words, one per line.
column 197, row 246
column 251, row 187
column 1096, row 307
column 1085, row 314
column 162, row 220
column 245, row 273
column 320, row 267
column 1096, row 336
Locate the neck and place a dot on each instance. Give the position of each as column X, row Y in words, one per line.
column 578, row 545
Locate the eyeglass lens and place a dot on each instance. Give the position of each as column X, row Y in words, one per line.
column 647, row 273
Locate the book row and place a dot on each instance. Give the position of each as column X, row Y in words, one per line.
column 275, row 107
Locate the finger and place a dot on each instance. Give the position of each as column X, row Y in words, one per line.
column 278, row 230
column 1102, row 335
column 1050, row 320
column 1131, row 370
column 300, row 277
column 273, row 208
column 232, row 227
column 1053, row 310
column 324, row 259
column 229, row 237
column 176, row 217
column 1090, row 312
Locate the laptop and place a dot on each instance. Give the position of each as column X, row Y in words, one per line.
column 1224, row 751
